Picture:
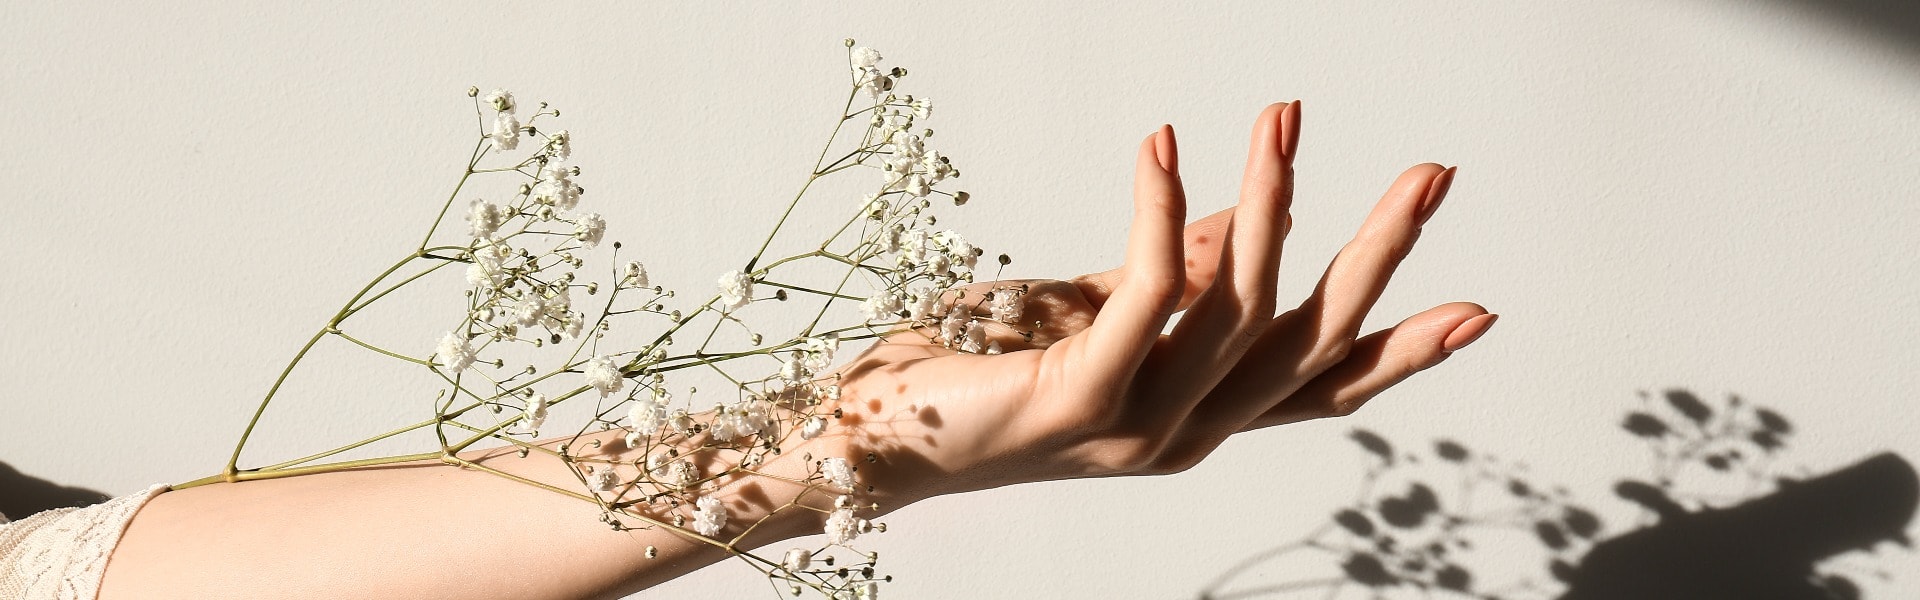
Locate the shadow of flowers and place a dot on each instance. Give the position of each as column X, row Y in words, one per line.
column 1720, row 517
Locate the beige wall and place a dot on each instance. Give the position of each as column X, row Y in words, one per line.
column 1706, row 194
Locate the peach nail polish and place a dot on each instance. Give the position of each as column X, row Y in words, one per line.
column 1437, row 193
column 1468, row 331
column 1290, row 131
column 1165, row 151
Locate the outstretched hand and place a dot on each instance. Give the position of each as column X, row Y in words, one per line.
column 1088, row 385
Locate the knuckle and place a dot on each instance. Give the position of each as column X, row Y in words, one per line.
column 1346, row 406
column 1165, row 290
column 1176, row 462
column 1124, row 456
column 1331, row 349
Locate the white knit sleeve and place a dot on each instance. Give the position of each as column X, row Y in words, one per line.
column 61, row 554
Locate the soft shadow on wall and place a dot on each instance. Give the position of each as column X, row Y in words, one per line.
column 1895, row 22
column 1723, row 514
column 22, row 494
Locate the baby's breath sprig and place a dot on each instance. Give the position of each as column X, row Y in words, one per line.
column 523, row 248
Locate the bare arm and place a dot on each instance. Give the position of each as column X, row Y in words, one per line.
column 1096, row 390
column 430, row 530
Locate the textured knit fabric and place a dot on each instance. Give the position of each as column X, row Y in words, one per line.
column 61, row 554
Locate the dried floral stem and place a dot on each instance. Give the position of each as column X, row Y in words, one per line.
column 673, row 459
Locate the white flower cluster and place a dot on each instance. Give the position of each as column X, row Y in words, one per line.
column 506, row 128
column 523, row 252
column 709, row 515
column 516, row 290
column 927, row 264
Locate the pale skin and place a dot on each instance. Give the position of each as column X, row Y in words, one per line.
column 1097, row 391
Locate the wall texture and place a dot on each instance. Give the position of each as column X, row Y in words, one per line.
column 1700, row 194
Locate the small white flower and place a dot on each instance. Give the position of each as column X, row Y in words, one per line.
column 681, row 473
column 794, row 370
column 604, row 480
column 736, row 290
column 455, row 352
column 926, row 304
column 556, row 187
column 812, row 428
column 798, row 559
column 709, row 515
column 479, row 275
column 863, row 57
column 939, row 264
column 501, row 100
column 727, row 425
column 681, row 422
column 484, row 218
column 657, row 464
column 819, row 351
column 488, row 268
column 874, row 83
column 493, row 252
column 604, row 376
column 536, row 412
column 870, row 202
column 870, row 591
column 890, row 239
column 634, row 274
column 842, row 527
column 590, row 229
column 910, row 147
column 896, row 170
column 976, row 338
column 561, row 145
column 993, row 347
column 837, row 472
column 556, row 171
column 913, row 245
column 506, row 132
column 756, row 416
column 646, row 416
column 530, row 309
column 957, row 247
column 954, row 326
column 922, row 108
column 936, row 167
column 883, row 304
column 1008, row 305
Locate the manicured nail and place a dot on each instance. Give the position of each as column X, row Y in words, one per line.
column 1436, row 193
column 1164, row 150
column 1290, row 130
column 1469, row 331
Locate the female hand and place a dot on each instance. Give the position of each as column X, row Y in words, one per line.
column 1089, row 386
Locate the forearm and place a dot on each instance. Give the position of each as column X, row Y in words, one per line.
column 435, row 530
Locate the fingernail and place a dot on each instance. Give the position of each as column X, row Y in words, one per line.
column 1290, row 130
column 1469, row 331
column 1164, row 150
column 1437, row 193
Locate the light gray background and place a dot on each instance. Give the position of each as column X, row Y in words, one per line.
column 1685, row 193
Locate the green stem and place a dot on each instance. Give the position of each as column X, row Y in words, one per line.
column 478, row 151
column 803, row 188
column 232, row 468
column 385, row 351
